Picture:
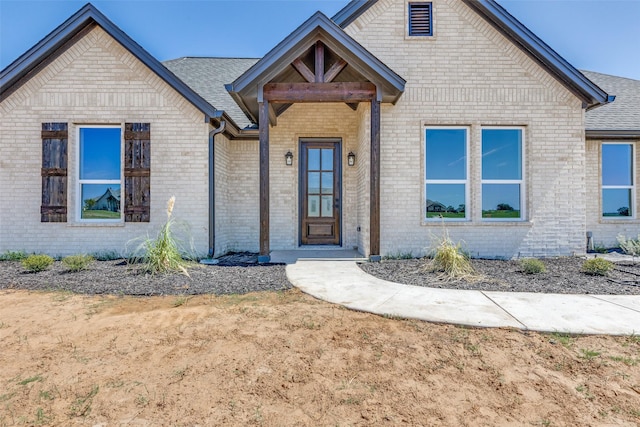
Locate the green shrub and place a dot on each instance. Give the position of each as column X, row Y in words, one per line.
column 35, row 263
column 399, row 255
column 450, row 259
column 77, row 262
column 162, row 254
column 597, row 266
column 532, row 266
column 629, row 246
column 13, row 256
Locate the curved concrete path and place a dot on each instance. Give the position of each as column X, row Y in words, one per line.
column 343, row 282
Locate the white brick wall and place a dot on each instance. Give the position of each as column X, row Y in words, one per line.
column 469, row 74
column 96, row 81
column 244, row 198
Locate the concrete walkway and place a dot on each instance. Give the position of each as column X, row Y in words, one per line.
column 343, row 282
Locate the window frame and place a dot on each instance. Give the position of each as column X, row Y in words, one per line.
column 80, row 182
column 408, row 33
column 466, row 182
column 521, row 181
column 631, row 187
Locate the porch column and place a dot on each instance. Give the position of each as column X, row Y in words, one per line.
column 263, row 121
column 374, row 199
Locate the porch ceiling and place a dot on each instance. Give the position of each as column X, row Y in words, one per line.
column 300, row 47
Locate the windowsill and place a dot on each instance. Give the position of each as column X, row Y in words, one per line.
column 96, row 224
column 470, row 223
column 622, row 220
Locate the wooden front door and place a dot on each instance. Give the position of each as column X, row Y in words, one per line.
column 320, row 201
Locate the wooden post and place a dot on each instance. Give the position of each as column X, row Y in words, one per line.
column 374, row 202
column 319, row 62
column 263, row 121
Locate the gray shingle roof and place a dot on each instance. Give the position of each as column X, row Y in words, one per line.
column 621, row 114
column 207, row 77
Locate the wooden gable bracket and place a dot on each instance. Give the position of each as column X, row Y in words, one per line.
column 319, row 75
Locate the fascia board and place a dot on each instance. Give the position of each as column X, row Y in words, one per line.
column 351, row 12
column 612, row 133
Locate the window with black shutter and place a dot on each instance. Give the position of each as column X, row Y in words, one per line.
column 54, row 172
column 137, row 172
column 420, row 19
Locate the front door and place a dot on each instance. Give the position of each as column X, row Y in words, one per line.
column 320, row 172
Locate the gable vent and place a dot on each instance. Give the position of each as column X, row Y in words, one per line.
column 420, row 19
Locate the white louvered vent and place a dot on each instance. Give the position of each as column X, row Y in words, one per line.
column 420, row 19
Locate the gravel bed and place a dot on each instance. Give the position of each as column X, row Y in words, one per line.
column 563, row 276
column 235, row 274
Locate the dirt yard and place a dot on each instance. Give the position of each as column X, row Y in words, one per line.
column 285, row 359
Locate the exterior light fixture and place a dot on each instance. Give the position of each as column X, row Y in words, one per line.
column 351, row 158
column 289, row 158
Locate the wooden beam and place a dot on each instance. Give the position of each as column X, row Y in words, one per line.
column 319, row 92
column 334, row 70
column 319, row 62
column 263, row 132
column 374, row 204
column 304, row 71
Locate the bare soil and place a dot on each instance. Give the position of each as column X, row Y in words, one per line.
column 76, row 350
column 286, row 359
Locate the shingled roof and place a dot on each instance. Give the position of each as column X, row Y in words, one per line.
column 619, row 118
column 207, row 77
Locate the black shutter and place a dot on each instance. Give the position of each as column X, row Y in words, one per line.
column 137, row 172
column 54, row 172
column 420, row 19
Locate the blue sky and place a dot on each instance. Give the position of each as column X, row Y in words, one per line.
column 597, row 35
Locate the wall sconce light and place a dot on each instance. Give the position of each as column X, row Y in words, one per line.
column 351, row 158
column 289, row 158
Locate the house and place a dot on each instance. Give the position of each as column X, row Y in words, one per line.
column 340, row 135
column 108, row 201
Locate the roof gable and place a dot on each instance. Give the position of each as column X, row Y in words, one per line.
column 518, row 34
column 533, row 46
column 245, row 89
column 88, row 15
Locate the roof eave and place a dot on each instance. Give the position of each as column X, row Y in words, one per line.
column 87, row 15
column 240, row 101
column 612, row 133
column 569, row 76
column 351, row 12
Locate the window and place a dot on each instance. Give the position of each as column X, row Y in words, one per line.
column 617, row 181
column 502, row 174
column 446, row 172
column 99, row 163
column 420, row 19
